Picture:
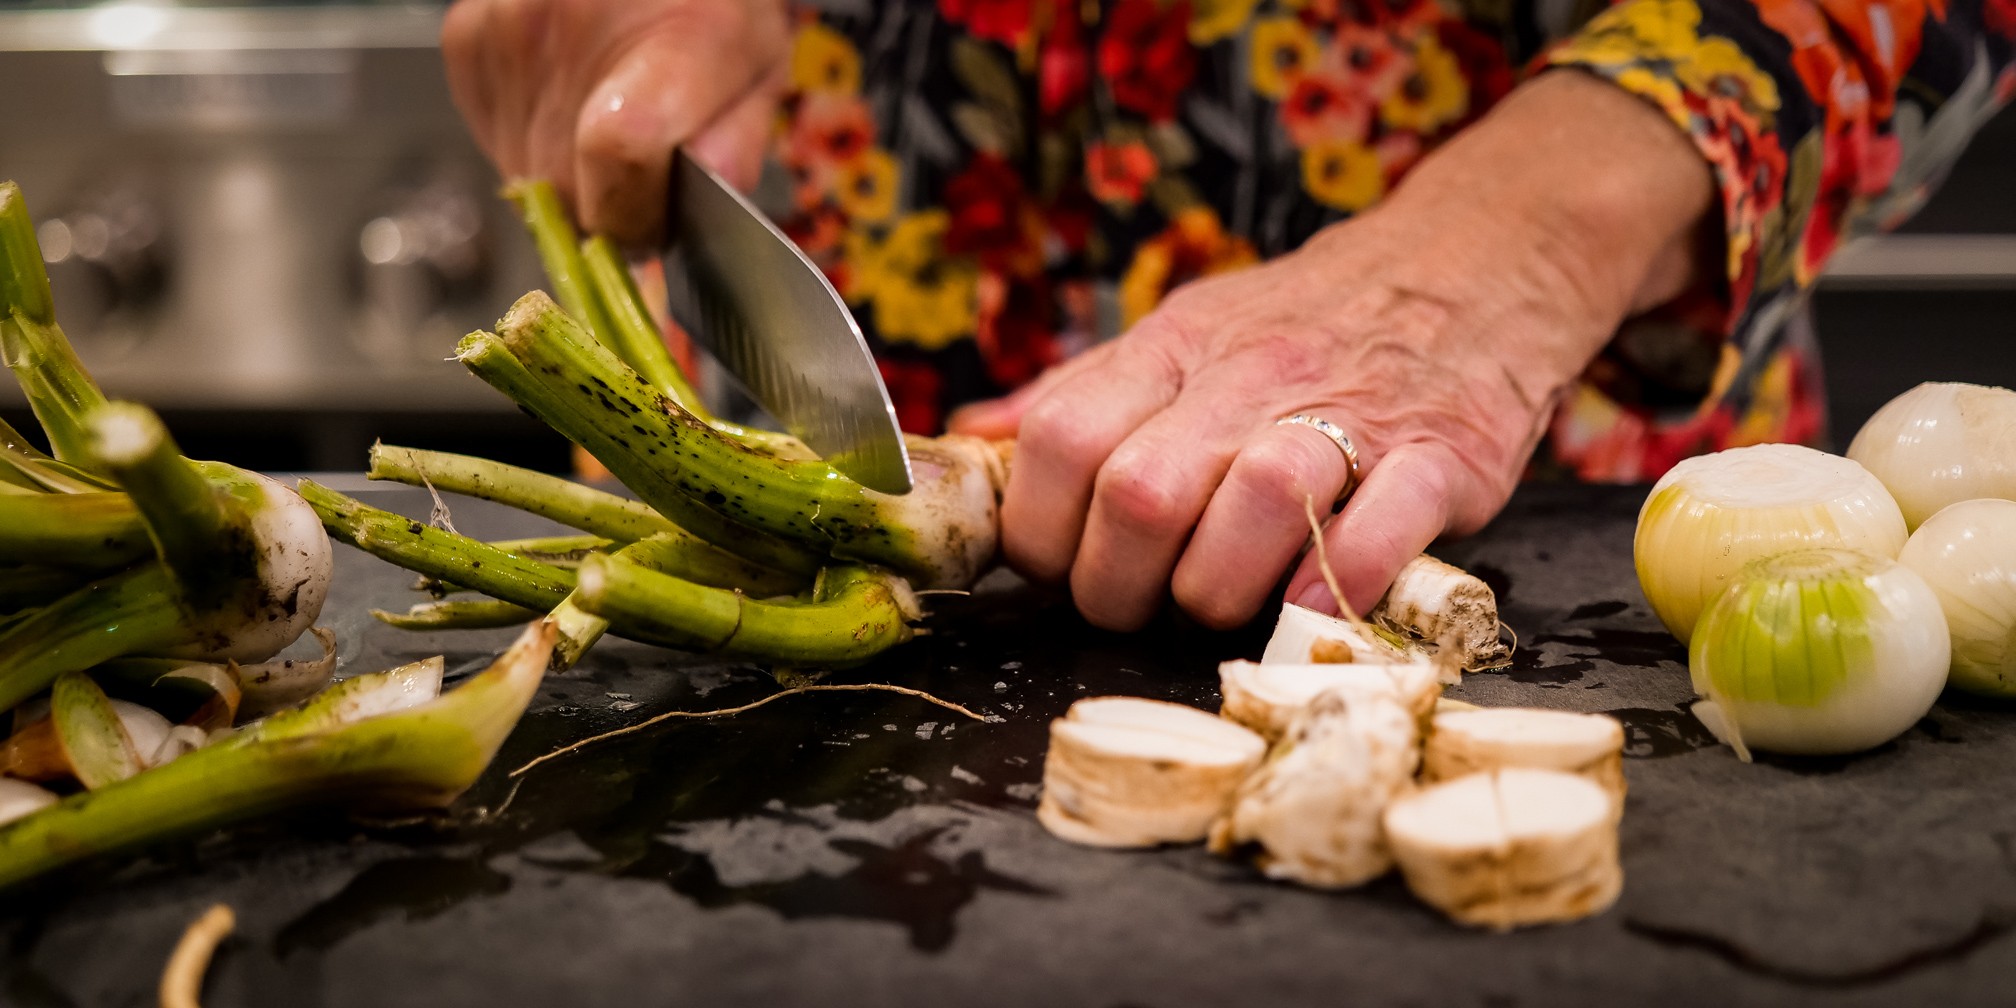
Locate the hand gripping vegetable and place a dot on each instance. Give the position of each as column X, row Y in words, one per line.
column 738, row 544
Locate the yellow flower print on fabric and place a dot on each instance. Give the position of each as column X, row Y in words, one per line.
column 1635, row 30
column 1211, row 20
column 1283, row 49
column 1717, row 62
column 823, row 60
column 866, row 187
column 1146, row 280
column 1638, row 33
column 918, row 294
column 1194, row 244
column 1343, row 174
column 1434, row 95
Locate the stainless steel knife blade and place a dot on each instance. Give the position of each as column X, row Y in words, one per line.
column 753, row 299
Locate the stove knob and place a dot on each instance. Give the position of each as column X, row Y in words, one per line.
column 419, row 265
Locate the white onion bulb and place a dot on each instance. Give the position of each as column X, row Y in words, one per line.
column 1967, row 553
column 1817, row 652
column 1712, row 514
column 1939, row 443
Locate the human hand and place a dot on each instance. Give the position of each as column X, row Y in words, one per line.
column 1437, row 331
column 594, row 94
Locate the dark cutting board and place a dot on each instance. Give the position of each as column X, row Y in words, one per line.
column 844, row 848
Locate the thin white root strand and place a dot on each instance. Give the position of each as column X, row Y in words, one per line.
column 182, row 980
column 726, row 711
column 1323, row 560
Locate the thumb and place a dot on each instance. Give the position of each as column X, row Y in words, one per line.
column 1001, row 419
column 993, row 419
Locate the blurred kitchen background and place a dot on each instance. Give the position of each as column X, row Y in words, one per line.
column 267, row 221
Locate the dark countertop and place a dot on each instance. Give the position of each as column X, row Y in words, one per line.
column 844, row 848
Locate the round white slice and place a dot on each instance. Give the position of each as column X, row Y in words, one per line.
column 1304, row 635
column 1131, row 772
column 1509, row 848
column 1492, row 738
column 1265, row 697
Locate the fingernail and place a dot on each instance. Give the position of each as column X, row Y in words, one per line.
column 1317, row 596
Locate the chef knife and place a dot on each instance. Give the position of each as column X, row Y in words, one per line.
column 753, row 299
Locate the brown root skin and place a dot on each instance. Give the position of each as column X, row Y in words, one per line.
column 1448, row 607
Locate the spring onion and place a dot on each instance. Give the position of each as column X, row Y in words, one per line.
column 1967, row 553
column 1818, row 651
column 1711, row 514
column 1939, row 443
column 383, row 741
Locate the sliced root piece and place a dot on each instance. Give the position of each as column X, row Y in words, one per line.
column 1129, row 772
column 1466, row 742
column 1311, row 814
column 1509, row 848
column 1447, row 606
column 1302, row 636
column 1266, row 697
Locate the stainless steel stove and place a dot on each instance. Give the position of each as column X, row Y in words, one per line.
column 268, row 219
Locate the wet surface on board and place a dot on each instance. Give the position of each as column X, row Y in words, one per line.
column 873, row 848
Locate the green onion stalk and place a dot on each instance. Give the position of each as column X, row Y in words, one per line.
column 117, row 545
column 238, row 567
column 850, row 614
column 382, row 741
column 730, row 541
column 940, row 535
column 594, row 285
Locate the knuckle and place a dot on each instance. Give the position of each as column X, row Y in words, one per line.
column 1282, row 472
column 1136, row 493
column 1056, row 432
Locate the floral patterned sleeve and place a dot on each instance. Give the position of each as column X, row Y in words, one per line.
column 997, row 184
column 1823, row 120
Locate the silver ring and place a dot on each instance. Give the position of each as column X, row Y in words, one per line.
column 1336, row 435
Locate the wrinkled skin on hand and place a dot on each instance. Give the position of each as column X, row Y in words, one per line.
column 594, row 94
column 1438, row 331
